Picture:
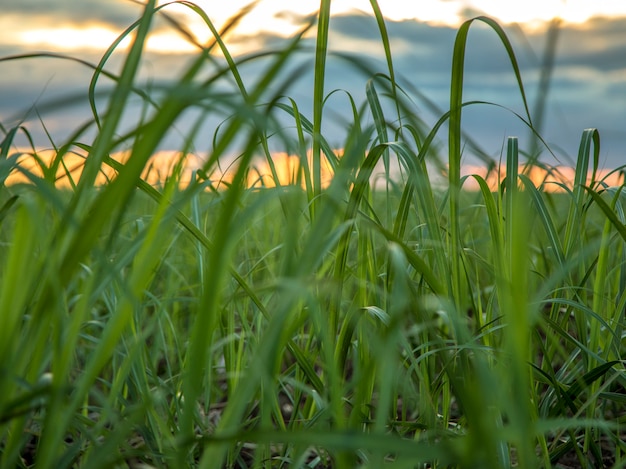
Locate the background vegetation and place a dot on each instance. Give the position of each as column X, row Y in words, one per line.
column 359, row 323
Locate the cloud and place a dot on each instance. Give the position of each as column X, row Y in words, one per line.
column 601, row 45
column 70, row 25
column 588, row 87
column 117, row 14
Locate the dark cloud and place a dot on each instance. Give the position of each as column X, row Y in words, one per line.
column 588, row 87
column 600, row 45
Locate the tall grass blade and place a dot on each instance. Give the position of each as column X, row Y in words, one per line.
column 321, row 52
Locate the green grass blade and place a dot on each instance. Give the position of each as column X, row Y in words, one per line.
column 575, row 215
column 321, row 52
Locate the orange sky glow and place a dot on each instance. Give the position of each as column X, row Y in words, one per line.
column 287, row 171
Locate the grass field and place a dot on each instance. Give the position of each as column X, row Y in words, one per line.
column 309, row 324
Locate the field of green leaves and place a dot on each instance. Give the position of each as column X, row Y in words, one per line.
column 407, row 325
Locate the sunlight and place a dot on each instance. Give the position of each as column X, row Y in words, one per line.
column 71, row 38
column 274, row 16
column 286, row 170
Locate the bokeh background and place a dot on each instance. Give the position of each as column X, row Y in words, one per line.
column 587, row 85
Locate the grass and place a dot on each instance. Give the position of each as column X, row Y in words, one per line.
column 305, row 325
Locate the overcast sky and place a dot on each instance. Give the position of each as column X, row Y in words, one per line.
column 588, row 87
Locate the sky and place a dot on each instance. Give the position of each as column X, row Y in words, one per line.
column 588, row 87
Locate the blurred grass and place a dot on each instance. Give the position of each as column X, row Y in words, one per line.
column 307, row 324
